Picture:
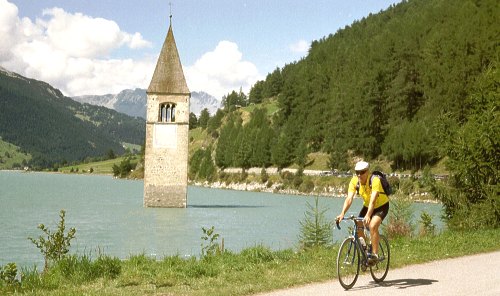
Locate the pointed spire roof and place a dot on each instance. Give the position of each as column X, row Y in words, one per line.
column 168, row 77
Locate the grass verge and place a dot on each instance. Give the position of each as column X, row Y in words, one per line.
column 104, row 167
column 251, row 271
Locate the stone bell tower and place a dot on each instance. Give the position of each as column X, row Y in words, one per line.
column 167, row 126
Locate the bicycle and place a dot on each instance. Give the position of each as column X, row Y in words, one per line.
column 353, row 255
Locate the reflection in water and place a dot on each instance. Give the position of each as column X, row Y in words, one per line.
column 223, row 206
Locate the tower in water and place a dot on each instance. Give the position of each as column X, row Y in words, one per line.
column 167, row 126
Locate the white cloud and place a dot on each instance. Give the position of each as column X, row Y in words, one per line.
column 221, row 71
column 73, row 52
column 300, row 46
column 70, row 51
column 117, row 75
column 8, row 29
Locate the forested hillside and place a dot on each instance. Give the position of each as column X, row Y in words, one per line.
column 410, row 86
column 380, row 87
column 55, row 129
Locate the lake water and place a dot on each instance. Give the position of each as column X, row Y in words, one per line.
column 109, row 216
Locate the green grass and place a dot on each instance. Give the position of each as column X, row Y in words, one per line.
column 11, row 156
column 318, row 161
column 253, row 270
column 104, row 167
column 270, row 104
column 198, row 138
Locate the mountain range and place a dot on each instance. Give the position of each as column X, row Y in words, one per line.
column 53, row 128
column 133, row 102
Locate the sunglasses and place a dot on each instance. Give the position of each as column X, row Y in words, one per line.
column 359, row 173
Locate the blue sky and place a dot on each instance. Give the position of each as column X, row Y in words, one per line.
column 99, row 47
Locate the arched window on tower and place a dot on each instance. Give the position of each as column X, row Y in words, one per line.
column 169, row 109
column 166, row 112
column 161, row 113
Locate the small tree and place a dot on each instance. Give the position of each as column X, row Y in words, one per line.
column 426, row 225
column 315, row 230
column 211, row 247
column 55, row 245
column 124, row 169
column 204, row 117
column 399, row 220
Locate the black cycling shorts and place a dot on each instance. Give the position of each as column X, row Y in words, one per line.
column 381, row 211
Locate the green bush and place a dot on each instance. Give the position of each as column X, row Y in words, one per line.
column 471, row 199
column 406, row 186
column 297, row 181
column 315, row 230
column 124, row 169
column 264, row 176
column 400, row 216
column 211, row 246
column 306, row 186
column 8, row 274
column 426, row 225
column 54, row 245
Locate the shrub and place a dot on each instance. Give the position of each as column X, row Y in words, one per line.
column 395, row 182
column 124, row 169
column 242, row 176
column 426, row 225
column 297, row 181
column 56, row 244
column 399, row 220
column 8, row 275
column 472, row 199
column 307, row 186
column 315, row 230
column 286, row 176
column 211, row 247
column 406, row 186
column 264, row 176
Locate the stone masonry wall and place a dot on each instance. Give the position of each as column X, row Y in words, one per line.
column 166, row 154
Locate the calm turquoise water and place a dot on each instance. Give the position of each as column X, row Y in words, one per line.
column 108, row 215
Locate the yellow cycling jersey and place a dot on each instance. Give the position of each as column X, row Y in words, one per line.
column 365, row 191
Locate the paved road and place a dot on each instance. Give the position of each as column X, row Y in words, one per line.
column 470, row 275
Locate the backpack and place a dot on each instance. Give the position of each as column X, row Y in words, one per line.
column 383, row 179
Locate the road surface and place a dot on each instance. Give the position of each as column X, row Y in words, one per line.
column 470, row 275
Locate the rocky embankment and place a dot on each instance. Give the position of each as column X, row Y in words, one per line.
column 274, row 188
column 279, row 188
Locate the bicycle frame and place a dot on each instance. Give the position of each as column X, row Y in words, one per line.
column 357, row 243
column 349, row 262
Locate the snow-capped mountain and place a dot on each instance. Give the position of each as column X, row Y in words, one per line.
column 201, row 100
column 133, row 102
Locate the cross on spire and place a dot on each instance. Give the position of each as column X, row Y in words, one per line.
column 170, row 4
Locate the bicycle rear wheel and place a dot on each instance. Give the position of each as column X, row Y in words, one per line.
column 379, row 270
column 348, row 263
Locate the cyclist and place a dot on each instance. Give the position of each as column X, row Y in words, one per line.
column 375, row 203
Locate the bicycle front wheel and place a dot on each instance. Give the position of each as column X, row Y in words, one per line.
column 348, row 263
column 379, row 270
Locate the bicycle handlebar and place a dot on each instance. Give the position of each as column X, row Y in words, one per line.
column 352, row 217
column 337, row 222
